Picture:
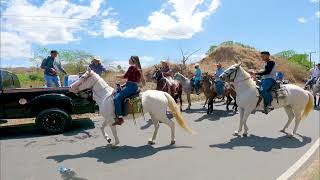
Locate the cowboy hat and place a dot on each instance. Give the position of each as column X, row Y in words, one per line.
column 164, row 61
column 196, row 65
column 96, row 58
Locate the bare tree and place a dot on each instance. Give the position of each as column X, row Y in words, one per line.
column 185, row 58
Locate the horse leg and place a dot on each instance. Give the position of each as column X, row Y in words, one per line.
column 115, row 135
column 105, row 135
column 236, row 133
column 298, row 114
column 156, row 128
column 189, row 101
column 205, row 103
column 171, row 124
column 290, row 114
column 244, row 120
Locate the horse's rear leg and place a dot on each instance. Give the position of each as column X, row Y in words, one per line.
column 189, row 101
column 115, row 135
column 180, row 97
column 156, row 128
column 298, row 117
column 163, row 118
column 105, row 135
column 290, row 114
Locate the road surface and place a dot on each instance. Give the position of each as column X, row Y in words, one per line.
column 211, row 154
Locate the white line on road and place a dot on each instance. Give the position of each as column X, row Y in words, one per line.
column 300, row 162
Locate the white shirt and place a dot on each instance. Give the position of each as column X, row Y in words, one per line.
column 315, row 72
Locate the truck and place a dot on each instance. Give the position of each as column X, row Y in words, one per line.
column 51, row 107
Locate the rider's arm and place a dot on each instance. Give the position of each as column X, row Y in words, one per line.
column 268, row 68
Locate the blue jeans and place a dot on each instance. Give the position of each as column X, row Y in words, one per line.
column 128, row 90
column 265, row 90
column 196, row 85
column 311, row 81
column 52, row 81
column 219, row 86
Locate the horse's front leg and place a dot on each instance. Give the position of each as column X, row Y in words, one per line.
column 180, row 97
column 105, row 135
column 205, row 103
column 236, row 133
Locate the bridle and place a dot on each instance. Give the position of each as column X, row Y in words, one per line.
column 235, row 75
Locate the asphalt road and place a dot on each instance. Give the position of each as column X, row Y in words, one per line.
column 211, row 154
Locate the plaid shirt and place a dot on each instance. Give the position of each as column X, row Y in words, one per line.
column 133, row 74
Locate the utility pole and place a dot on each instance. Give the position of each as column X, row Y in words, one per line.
column 310, row 53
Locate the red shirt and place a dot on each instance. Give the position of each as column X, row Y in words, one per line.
column 133, row 74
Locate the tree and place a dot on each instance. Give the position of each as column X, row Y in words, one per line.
column 291, row 55
column 286, row 54
column 211, row 49
column 186, row 56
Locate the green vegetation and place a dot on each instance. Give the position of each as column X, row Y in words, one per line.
column 292, row 56
column 228, row 43
column 30, row 79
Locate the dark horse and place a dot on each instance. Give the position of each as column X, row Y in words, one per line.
column 163, row 85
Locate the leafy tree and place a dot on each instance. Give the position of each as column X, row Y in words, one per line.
column 211, row 49
column 291, row 55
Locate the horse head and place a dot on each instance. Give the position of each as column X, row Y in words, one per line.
column 86, row 81
column 157, row 74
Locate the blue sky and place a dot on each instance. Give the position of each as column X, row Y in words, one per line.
column 154, row 29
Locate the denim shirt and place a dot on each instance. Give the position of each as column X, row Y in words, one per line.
column 197, row 75
column 97, row 68
column 219, row 71
column 49, row 63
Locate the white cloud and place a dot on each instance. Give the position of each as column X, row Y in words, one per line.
column 318, row 14
column 53, row 22
column 314, row 1
column 177, row 19
column 302, row 20
column 12, row 46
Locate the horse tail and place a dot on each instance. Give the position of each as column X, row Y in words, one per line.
column 177, row 114
column 309, row 106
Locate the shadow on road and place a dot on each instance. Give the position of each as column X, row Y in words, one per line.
column 216, row 115
column 201, row 110
column 30, row 131
column 264, row 144
column 107, row 155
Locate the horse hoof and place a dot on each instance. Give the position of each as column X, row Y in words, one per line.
column 290, row 136
column 151, row 142
column 172, row 142
column 109, row 140
column 114, row 146
column 283, row 131
column 244, row 135
column 235, row 134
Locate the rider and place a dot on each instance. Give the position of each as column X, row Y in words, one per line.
column 197, row 78
column 133, row 76
column 97, row 66
column 268, row 80
column 167, row 73
column 314, row 75
column 219, row 84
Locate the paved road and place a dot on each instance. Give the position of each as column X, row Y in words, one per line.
column 211, row 154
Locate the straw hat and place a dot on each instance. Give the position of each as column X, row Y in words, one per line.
column 96, row 58
column 164, row 61
column 196, row 65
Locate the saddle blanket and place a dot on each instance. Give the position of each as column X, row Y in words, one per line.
column 279, row 92
column 133, row 105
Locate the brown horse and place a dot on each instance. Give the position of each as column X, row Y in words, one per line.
column 210, row 92
column 164, row 85
column 231, row 96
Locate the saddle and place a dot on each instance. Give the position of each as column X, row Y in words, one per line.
column 278, row 91
column 132, row 104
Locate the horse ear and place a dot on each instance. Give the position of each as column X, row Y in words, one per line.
column 89, row 70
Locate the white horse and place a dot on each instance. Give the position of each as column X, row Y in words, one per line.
column 297, row 104
column 154, row 102
column 186, row 86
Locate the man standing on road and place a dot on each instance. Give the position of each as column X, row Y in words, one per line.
column 51, row 66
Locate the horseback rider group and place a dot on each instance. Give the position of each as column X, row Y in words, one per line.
column 269, row 77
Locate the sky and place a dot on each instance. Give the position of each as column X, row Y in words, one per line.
column 154, row 29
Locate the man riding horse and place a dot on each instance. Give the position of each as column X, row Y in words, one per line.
column 268, row 80
column 167, row 73
column 314, row 75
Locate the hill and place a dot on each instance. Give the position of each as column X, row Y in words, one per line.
column 226, row 55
